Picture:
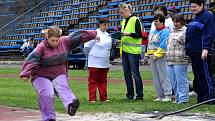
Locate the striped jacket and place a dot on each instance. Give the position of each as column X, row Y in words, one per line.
column 157, row 43
column 46, row 61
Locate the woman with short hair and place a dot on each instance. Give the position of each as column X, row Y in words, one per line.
column 47, row 68
column 156, row 52
column 177, row 60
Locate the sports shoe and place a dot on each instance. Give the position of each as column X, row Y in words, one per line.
column 92, row 101
column 173, row 98
column 52, row 120
column 105, row 101
column 139, row 98
column 192, row 93
column 73, row 107
column 166, row 99
column 182, row 103
column 174, row 102
column 157, row 99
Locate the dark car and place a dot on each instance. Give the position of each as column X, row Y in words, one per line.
column 77, row 58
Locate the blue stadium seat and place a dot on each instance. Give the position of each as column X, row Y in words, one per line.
column 39, row 39
column 113, row 4
column 57, row 17
column 75, row 15
column 103, row 11
column 147, row 25
column 49, row 23
column 17, row 46
column 147, row 18
column 111, row 28
column 72, row 30
column 10, row 46
column 103, row 16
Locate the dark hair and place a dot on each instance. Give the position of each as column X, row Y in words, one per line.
column 198, row 2
column 162, row 8
column 179, row 18
column 103, row 20
column 160, row 17
column 156, row 7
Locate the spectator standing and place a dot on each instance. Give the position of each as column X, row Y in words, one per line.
column 168, row 20
column 177, row 60
column 24, row 45
column 98, row 62
column 212, row 64
column 144, row 43
column 27, row 46
column 156, row 52
column 131, row 50
column 199, row 38
column 47, row 68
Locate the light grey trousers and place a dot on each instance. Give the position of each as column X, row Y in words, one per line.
column 161, row 82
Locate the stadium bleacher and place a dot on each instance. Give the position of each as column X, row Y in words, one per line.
column 72, row 15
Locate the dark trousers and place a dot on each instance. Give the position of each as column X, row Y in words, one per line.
column 202, row 78
column 130, row 64
column 212, row 69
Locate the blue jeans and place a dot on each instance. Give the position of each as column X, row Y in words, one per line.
column 143, row 49
column 178, row 76
column 130, row 64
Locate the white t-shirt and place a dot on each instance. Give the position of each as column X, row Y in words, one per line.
column 168, row 23
column 100, row 51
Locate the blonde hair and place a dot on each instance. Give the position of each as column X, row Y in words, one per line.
column 53, row 31
column 125, row 6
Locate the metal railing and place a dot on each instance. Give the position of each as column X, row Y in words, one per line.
column 9, row 28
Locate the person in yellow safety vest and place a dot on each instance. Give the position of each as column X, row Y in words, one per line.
column 131, row 50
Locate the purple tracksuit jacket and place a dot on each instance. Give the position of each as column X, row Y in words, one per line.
column 46, row 61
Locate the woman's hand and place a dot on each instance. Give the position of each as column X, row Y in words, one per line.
column 126, row 34
column 24, row 78
column 155, row 58
column 97, row 38
column 145, row 60
column 204, row 54
column 118, row 41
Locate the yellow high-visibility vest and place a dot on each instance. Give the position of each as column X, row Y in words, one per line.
column 128, row 43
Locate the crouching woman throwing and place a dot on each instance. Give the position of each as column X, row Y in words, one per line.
column 47, row 68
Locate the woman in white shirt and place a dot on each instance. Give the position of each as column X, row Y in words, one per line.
column 98, row 62
column 168, row 20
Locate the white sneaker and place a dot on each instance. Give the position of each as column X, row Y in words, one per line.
column 166, row 99
column 105, row 101
column 174, row 102
column 92, row 101
column 192, row 93
column 157, row 99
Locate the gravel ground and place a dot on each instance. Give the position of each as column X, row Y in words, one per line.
column 133, row 117
column 124, row 117
column 20, row 114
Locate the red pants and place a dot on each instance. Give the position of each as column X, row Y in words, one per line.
column 97, row 78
